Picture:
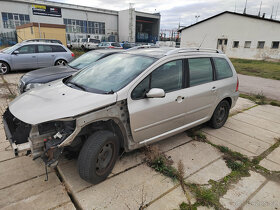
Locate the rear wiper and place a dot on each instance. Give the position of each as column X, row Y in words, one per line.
column 77, row 85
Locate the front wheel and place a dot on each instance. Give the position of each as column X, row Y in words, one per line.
column 98, row 156
column 60, row 62
column 220, row 115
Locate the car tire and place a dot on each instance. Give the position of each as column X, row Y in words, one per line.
column 60, row 62
column 4, row 67
column 220, row 115
column 98, row 156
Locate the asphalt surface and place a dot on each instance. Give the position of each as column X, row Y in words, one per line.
column 257, row 85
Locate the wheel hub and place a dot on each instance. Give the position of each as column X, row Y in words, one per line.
column 104, row 158
column 3, row 68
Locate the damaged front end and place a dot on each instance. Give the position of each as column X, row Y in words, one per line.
column 42, row 140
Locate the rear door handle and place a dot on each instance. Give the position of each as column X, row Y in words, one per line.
column 214, row 88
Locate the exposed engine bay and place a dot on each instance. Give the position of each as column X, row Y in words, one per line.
column 42, row 140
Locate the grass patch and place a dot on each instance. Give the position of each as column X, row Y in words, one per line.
column 259, row 68
column 78, row 52
column 260, row 99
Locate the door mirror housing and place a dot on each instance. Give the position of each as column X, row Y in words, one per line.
column 155, row 93
column 16, row 52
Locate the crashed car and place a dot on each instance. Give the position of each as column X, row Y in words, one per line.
column 123, row 102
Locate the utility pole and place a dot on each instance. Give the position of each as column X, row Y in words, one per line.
column 244, row 12
column 260, row 9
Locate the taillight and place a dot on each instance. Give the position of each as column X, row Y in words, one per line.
column 72, row 54
column 111, row 47
column 237, row 85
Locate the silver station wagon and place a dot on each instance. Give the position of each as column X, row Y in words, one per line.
column 123, row 102
column 33, row 55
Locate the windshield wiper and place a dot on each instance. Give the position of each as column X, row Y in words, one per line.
column 110, row 92
column 77, row 85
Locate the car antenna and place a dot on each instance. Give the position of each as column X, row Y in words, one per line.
column 202, row 41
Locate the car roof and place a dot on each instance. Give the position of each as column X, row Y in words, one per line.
column 107, row 51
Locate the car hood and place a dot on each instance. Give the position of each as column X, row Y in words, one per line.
column 56, row 100
column 48, row 74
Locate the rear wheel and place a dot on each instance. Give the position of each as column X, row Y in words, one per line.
column 220, row 115
column 98, row 156
column 60, row 62
column 4, row 67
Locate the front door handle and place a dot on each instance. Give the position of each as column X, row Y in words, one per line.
column 179, row 99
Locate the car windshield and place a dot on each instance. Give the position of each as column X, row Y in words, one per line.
column 11, row 49
column 112, row 73
column 85, row 60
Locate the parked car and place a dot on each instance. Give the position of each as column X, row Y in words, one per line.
column 33, row 55
column 123, row 102
column 76, row 43
column 39, row 77
column 108, row 45
column 44, row 40
column 91, row 44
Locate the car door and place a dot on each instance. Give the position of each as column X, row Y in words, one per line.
column 45, row 56
column 154, row 117
column 201, row 94
column 26, row 58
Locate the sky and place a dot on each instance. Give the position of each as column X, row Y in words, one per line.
column 185, row 11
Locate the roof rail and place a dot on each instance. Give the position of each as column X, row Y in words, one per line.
column 143, row 47
column 184, row 50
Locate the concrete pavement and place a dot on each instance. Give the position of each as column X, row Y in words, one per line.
column 257, row 85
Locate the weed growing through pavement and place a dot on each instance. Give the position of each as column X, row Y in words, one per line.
column 260, row 99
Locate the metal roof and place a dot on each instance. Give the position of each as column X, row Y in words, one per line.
column 233, row 13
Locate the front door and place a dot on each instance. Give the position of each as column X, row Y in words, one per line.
column 222, row 44
column 26, row 58
column 153, row 117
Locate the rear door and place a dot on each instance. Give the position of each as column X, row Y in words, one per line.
column 201, row 93
column 152, row 117
column 46, row 56
column 26, row 58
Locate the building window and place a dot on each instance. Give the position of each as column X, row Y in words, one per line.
column 247, row 44
column 12, row 20
column 275, row 45
column 260, row 44
column 82, row 26
column 235, row 44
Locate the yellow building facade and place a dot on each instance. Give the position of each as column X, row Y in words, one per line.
column 41, row 31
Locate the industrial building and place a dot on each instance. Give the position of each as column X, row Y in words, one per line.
column 80, row 21
column 237, row 35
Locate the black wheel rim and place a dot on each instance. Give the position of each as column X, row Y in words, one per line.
column 221, row 114
column 105, row 158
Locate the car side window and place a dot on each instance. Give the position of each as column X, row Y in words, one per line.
column 200, row 71
column 44, row 49
column 27, row 49
column 167, row 77
column 223, row 69
column 56, row 48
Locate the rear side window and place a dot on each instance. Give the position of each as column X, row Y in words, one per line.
column 56, row 48
column 223, row 69
column 200, row 71
column 44, row 49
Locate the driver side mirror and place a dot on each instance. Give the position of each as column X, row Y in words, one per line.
column 16, row 52
column 155, row 93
